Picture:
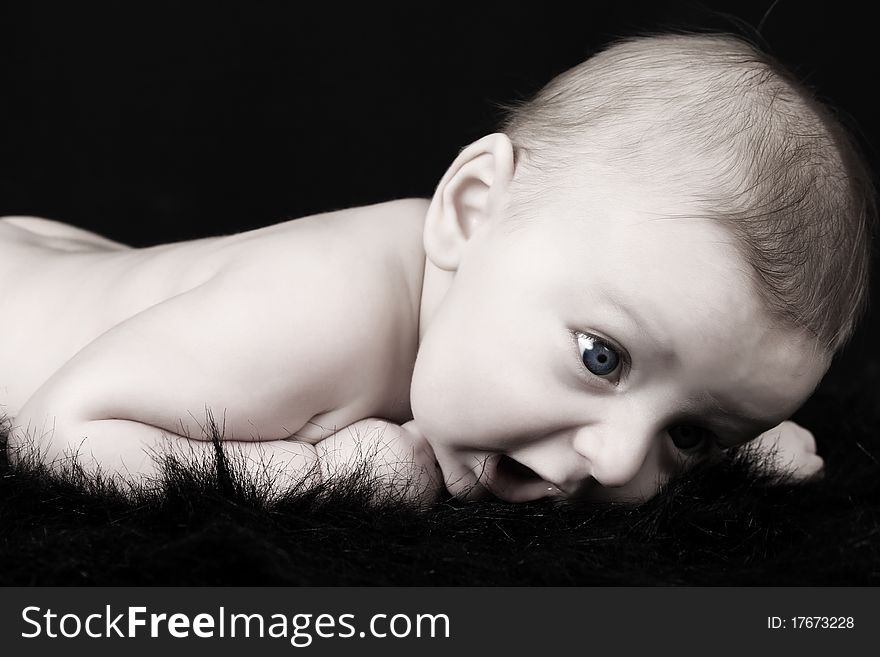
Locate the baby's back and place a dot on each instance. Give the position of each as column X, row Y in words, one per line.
column 58, row 293
column 61, row 289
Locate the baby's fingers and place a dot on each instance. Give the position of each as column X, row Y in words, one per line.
column 811, row 467
column 789, row 450
column 800, row 435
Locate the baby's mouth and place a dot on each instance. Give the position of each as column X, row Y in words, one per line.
column 513, row 469
column 513, row 481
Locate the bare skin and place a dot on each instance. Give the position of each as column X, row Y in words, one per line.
column 299, row 337
column 513, row 312
column 409, row 330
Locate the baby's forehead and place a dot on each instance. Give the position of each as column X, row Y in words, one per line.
column 645, row 238
column 637, row 232
column 678, row 277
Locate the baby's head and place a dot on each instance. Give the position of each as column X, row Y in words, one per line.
column 656, row 260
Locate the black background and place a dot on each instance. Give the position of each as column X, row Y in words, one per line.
column 164, row 121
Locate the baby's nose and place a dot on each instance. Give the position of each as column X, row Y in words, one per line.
column 616, row 458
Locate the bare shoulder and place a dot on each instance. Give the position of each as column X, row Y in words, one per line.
column 343, row 290
column 303, row 319
column 340, row 268
column 348, row 235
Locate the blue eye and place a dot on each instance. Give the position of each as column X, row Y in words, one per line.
column 599, row 358
column 688, row 437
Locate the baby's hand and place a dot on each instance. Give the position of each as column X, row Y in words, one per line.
column 399, row 459
column 789, row 450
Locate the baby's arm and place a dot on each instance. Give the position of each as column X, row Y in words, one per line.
column 135, row 452
column 260, row 358
column 398, row 459
column 393, row 458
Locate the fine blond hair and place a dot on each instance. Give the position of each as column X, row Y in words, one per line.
column 712, row 119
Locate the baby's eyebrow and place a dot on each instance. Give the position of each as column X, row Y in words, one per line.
column 644, row 327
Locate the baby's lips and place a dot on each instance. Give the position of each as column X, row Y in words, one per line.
column 509, row 481
column 526, row 493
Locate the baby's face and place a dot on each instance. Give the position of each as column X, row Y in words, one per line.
column 598, row 353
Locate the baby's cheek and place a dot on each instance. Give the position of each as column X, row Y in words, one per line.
column 434, row 402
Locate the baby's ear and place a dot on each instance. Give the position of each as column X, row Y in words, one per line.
column 472, row 193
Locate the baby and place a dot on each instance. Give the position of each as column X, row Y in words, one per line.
column 655, row 261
